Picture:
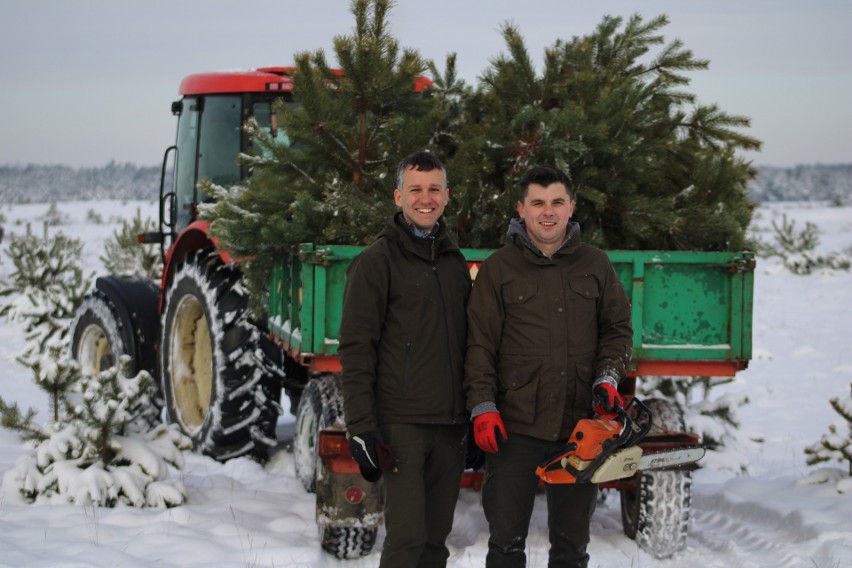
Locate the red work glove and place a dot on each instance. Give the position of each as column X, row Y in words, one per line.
column 485, row 429
column 606, row 401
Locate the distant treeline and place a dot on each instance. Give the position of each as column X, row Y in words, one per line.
column 804, row 183
column 43, row 184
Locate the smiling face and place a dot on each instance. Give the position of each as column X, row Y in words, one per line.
column 546, row 211
column 422, row 197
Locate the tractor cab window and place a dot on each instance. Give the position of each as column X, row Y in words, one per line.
column 266, row 120
column 185, row 164
column 208, row 142
column 219, row 146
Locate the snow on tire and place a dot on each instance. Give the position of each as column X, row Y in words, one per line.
column 97, row 336
column 212, row 376
column 320, row 406
column 99, row 340
column 656, row 513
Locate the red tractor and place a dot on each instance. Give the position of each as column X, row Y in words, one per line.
column 193, row 331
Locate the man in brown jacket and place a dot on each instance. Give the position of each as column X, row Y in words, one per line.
column 549, row 335
column 402, row 341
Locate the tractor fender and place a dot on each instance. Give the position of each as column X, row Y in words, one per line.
column 135, row 300
column 196, row 237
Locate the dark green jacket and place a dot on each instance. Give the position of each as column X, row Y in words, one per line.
column 402, row 333
column 541, row 330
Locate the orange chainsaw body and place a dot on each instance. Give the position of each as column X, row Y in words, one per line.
column 602, row 450
column 591, row 438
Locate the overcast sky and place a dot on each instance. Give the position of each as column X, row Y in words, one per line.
column 85, row 82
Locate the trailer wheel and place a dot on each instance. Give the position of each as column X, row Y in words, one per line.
column 348, row 542
column 314, row 412
column 343, row 536
column 656, row 512
column 97, row 336
column 213, row 379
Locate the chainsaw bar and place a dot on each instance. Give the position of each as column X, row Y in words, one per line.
column 671, row 458
column 628, row 461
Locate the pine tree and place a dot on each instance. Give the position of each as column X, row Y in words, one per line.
column 836, row 445
column 100, row 445
column 53, row 216
column 653, row 169
column 45, row 287
column 352, row 125
column 55, row 375
column 111, row 403
column 123, row 254
column 798, row 249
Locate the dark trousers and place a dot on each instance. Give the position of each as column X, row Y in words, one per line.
column 421, row 491
column 508, row 497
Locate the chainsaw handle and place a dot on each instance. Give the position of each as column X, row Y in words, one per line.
column 637, row 425
column 637, row 420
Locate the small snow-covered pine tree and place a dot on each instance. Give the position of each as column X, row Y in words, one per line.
column 100, row 448
column 45, row 287
column 798, row 249
column 124, row 255
column 836, row 445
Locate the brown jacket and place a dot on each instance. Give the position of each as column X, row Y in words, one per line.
column 541, row 330
column 402, row 333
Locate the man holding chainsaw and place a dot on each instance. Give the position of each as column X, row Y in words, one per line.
column 549, row 339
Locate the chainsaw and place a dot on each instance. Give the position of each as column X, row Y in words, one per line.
column 602, row 449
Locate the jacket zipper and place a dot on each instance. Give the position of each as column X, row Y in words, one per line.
column 452, row 389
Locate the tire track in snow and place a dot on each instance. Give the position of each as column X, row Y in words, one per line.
column 749, row 535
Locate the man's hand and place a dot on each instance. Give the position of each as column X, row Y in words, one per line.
column 606, row 400
column 364, row 451
column 485, row 429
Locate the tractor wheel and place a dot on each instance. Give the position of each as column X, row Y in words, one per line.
column 97, row 337
column 213, row 379
column 656, row 512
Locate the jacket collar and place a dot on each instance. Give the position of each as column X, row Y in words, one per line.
column 434, row 243
column 518, row 233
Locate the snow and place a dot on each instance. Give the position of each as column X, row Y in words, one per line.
column 780, row 513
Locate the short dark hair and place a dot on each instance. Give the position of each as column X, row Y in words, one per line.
column 544, row 176
column 422, row 162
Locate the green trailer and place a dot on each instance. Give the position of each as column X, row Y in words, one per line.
column 691, row 311
column 692, row 316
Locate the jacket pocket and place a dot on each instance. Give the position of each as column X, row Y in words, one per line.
column 518, row 392
column 585, row 286
column 519, row 291
column 583, row 312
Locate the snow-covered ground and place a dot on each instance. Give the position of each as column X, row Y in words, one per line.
column 240, row 514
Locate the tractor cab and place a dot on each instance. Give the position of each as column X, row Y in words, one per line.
column 211, row 113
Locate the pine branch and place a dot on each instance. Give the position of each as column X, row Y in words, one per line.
column 11, row 418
